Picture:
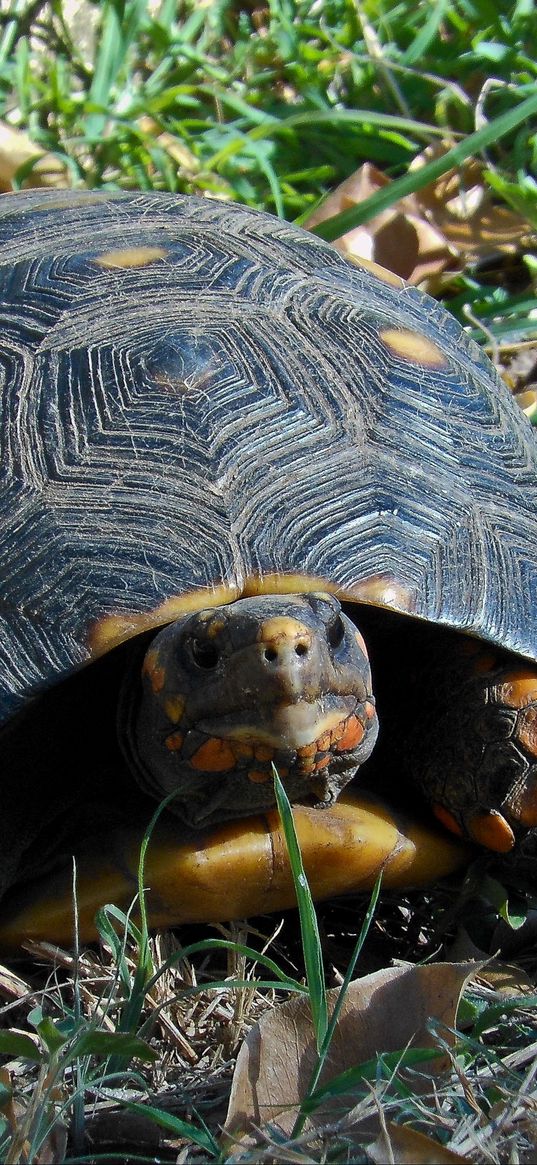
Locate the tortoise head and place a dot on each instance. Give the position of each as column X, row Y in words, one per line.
column 228, row 691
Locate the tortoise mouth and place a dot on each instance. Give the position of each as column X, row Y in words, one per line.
column 289, row 726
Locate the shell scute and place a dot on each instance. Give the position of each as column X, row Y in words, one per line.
column 220, row 408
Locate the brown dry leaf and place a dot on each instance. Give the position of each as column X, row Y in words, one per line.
column 506, row 978
column 18, row 1116
column 12, row 986
column 405, row 1146
column 382, row 1012
column 462, row 208
column 16, row 148
column 445, row 225
column 185, row 161
column 400, row 239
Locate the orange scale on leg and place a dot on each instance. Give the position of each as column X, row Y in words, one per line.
column 447, row 819
column 322, row 763
column 518, row 688
column 493, row 831
column 527, row 730
column 174, row 742
column 524, row 808
column 257, row 777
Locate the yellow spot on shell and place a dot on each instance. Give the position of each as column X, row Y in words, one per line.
column 413, row 346
column 284, row 584
column 131, row 257
column 174, row 707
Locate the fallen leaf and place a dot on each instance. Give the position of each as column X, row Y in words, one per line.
column 381, row 1013
column 399, row 239
column 444, row 226
column 461, row 205
column 16, row 148
column 404, row 1146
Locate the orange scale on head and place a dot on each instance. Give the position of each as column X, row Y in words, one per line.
column 322, row 763
column 263, row 752
column 307, row 750
column 352, row 735
column 155, row 673
column 361, row 642
column 257, row 777
column 174, row 707
column 215, row 756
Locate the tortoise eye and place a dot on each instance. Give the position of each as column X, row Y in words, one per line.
column 204, row 654
column 336, row 631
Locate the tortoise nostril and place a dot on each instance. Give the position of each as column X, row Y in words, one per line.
column 301, row 649
column 271, row 654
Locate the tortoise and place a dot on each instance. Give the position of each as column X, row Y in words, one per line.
column 256, row 502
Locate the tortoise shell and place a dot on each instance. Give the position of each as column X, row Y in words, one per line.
column 201, row 402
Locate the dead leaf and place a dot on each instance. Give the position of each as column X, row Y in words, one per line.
column 405, row 1146
column 506, row 978
column 444, row 226
column 399, row 239
column 461, row 205
column 382, row 1012
column 16, row 148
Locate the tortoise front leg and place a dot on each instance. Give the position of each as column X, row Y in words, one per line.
column 481, row 777
column 233, row 871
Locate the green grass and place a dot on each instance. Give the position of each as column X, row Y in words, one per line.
column 273, row 104
column 78, row 1055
